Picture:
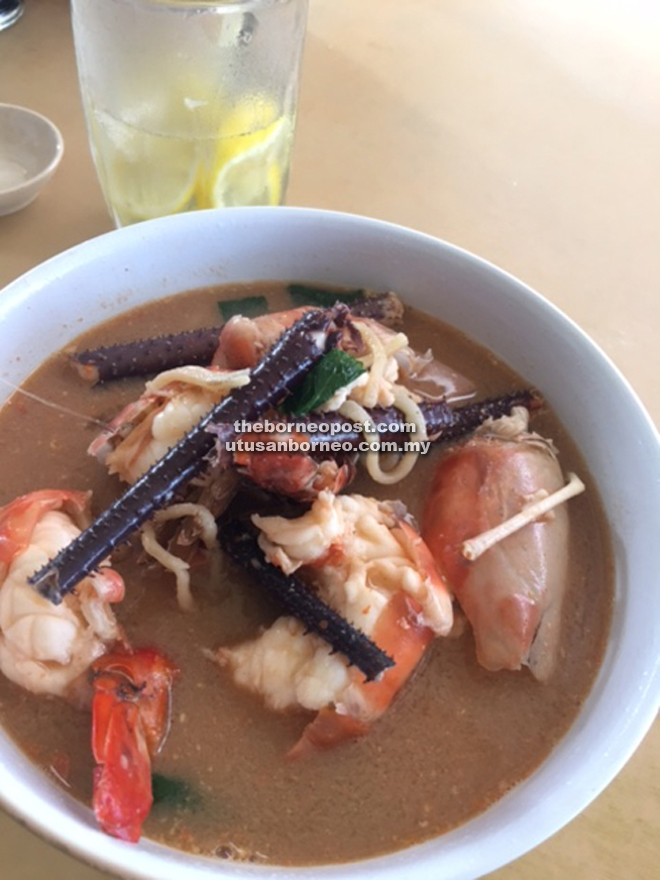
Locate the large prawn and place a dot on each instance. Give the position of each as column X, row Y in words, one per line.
column 370, row 565
column 44, row 647
column 171, row 404
column 47, row 649
column 512, row 593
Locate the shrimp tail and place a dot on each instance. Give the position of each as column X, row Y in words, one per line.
column 327, row 730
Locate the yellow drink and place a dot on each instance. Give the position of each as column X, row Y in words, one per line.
column 146, row 173
column 189, row 104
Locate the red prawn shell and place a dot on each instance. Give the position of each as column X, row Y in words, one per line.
column 512, row 594
column 19, row 518
column 244, row 341
column 400, row 634
column 130, row 718
column 292, row 473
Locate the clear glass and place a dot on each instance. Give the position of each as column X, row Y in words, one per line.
column 189, row 103
column 10, row 11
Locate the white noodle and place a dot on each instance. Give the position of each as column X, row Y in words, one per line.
column 170, row 562
column 203, row 516
column 474, row 547
column 179, row 567
column 396, row 343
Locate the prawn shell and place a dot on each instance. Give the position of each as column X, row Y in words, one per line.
column 512, row 594
column 293, row 474
column 244, row 341
column 150, row 674
column 401, row 634
column 130, row 720
column 19, row 518
column 122, row 795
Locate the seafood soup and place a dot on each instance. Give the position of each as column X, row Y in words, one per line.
column 298, row 654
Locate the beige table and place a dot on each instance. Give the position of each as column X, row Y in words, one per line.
column 524, row 130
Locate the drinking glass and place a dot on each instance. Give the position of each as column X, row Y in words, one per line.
column 10, row 11
column 189, row 103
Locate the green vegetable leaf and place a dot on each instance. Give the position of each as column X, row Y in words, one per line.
column 173, row 792
column 248, row 306
column 304, row 295
column 331, row 373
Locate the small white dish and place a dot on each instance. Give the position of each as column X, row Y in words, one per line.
column 30, row 150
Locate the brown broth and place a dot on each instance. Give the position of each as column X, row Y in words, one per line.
column 455, row 739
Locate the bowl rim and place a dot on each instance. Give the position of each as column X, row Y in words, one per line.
column 41, row 176
column 96, row 849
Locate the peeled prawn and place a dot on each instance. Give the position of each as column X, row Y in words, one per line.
column 513, row 593
column 369, row 565
column 171, row 404
column 45, row 647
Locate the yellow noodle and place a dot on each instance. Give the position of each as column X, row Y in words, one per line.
column 378, row 365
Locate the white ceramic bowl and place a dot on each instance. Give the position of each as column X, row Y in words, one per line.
column 46, row 308
column 30, row 150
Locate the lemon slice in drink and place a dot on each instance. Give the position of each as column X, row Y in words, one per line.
column 149, row 159
column 251, row 159
column 156, row 176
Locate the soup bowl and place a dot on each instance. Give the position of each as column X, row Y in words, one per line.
column 49, row 306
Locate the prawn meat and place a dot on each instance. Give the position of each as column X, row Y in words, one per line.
column 171, row 404
column 368, row 563
column 45, row 647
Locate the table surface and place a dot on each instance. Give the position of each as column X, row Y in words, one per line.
column 526, row 131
